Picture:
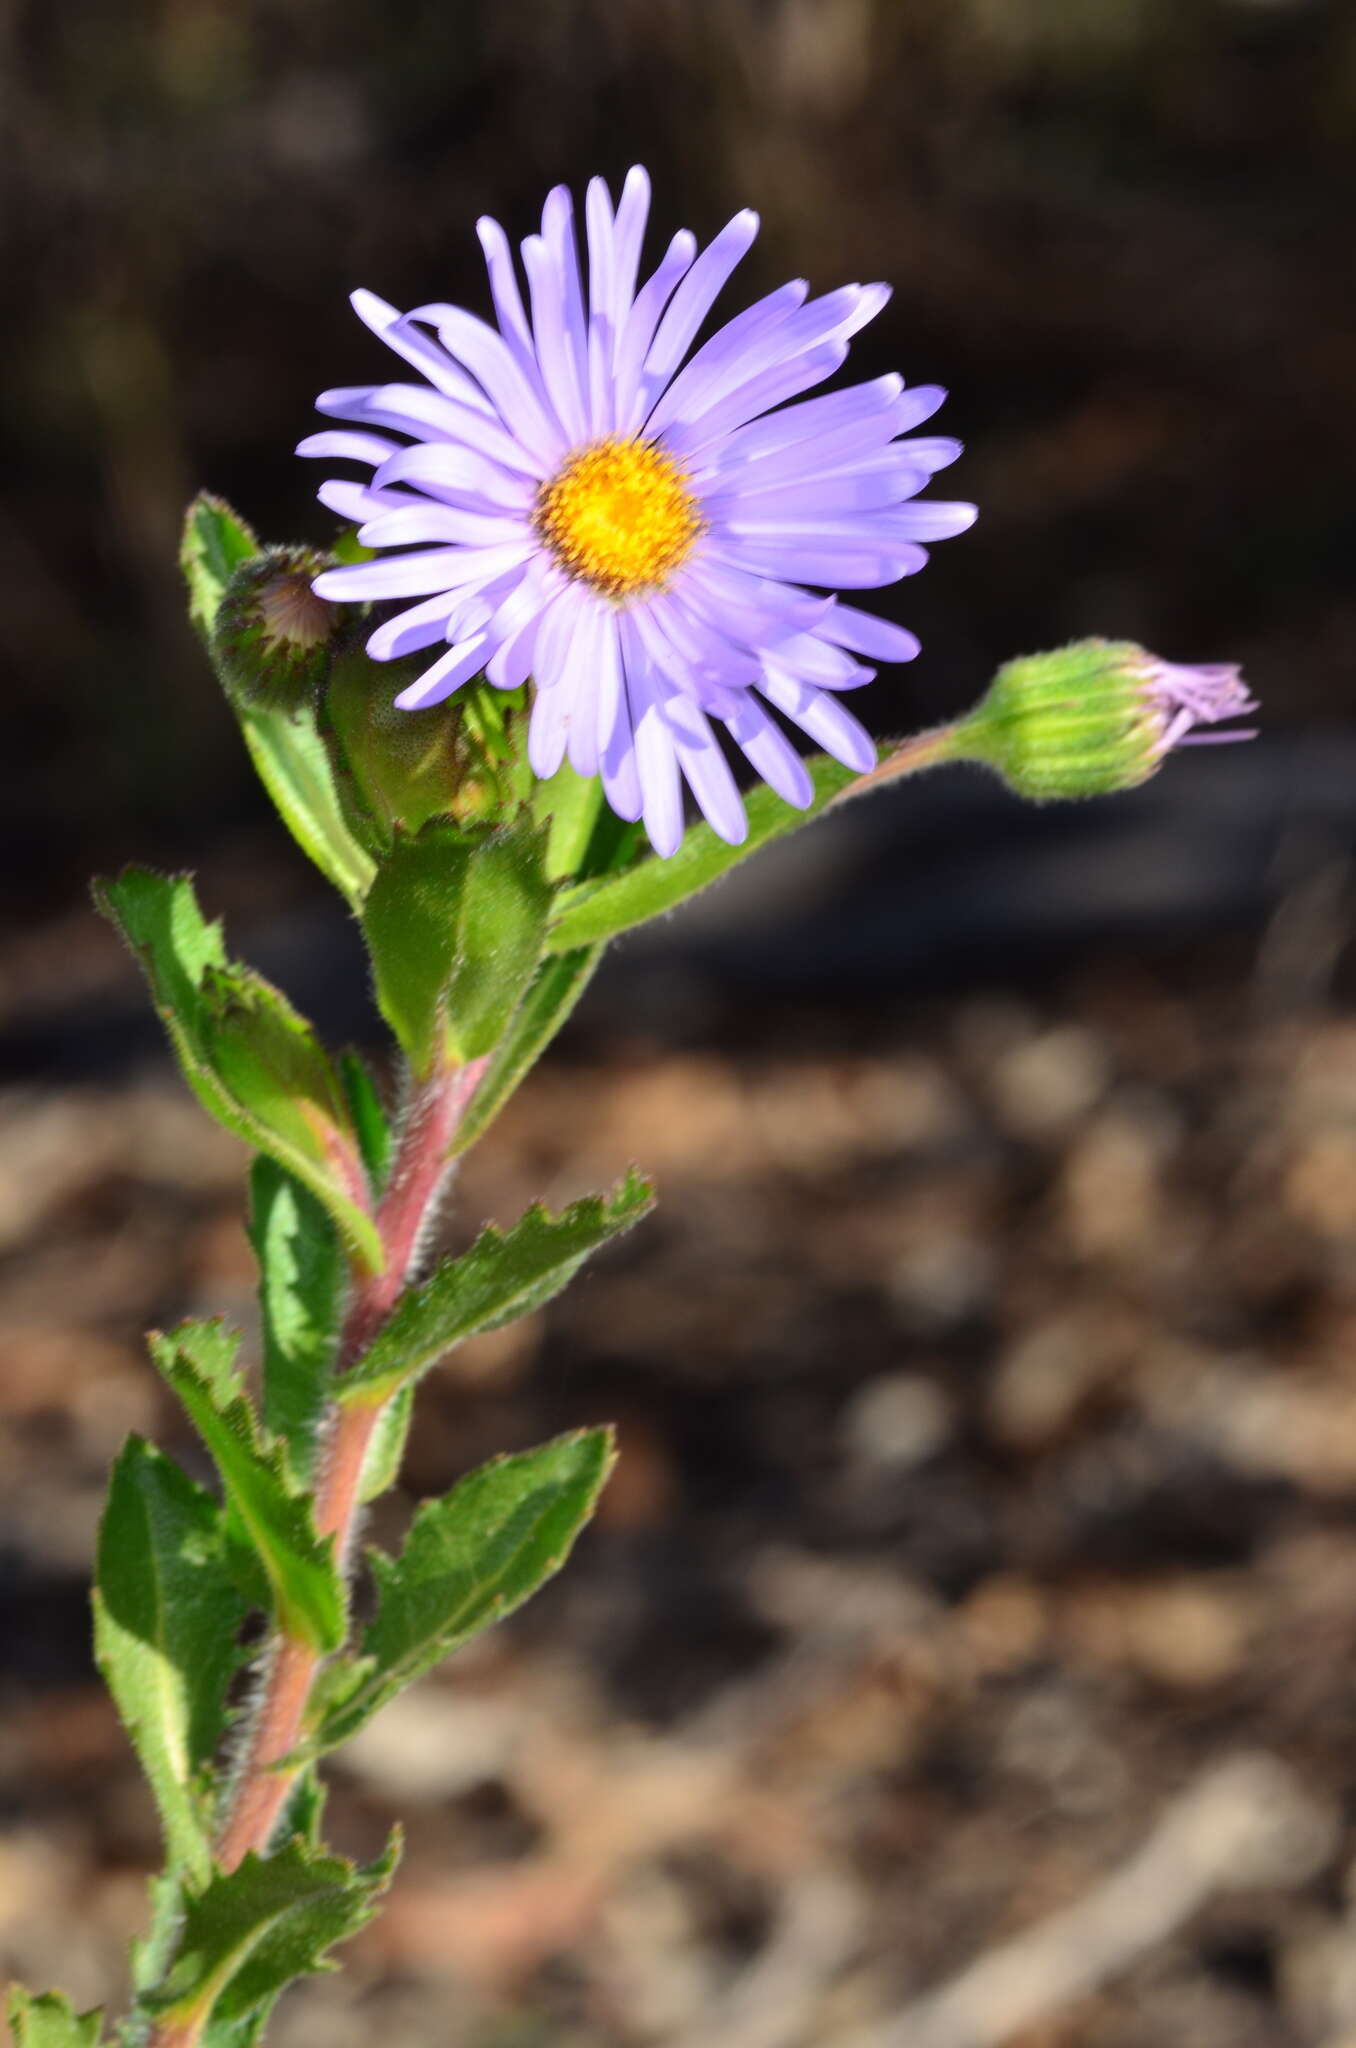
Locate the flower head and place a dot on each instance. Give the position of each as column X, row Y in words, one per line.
column 1096, row 716
column 582, row 499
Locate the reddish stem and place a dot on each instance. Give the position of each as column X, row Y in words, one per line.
column 418, row 1176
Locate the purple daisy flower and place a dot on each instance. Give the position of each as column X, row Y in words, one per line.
column 632, row 525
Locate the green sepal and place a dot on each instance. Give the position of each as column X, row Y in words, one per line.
column 214, row 542
column 598, row 910
column 555, row 989
column 272, row 1540
column 302, row 1274
column 253, row 1062
column 166, row 1617
column 47, row 2019
column 251, row 1932
column 470, row 1559
column 505, row 1274
column 455, row 926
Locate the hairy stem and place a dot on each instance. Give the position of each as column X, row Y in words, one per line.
column 418, row 1176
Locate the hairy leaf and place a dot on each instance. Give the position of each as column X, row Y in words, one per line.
column 48, row 2020
column 598, row 910
column 301, row 1291
column 214, row 543
column 248, row 1934
column 455, row 926
column 556, row 988
column 504, row 1274
column 470, row 1559
column 252, row 1061
column 272, row 1519
column 166, row 1617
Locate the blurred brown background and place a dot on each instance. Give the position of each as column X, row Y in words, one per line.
column 984, row 1550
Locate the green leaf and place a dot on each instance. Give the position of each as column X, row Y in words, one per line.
column 151, row 1951
column 455, row 927
column 301, row 1292
column 49, row 2020
column 386, row 1450
column 251, row 1060
column 369, row 1118
column 272, row 1517
column 470, row 1559
column 293, row 763
column 166, row 1618
column 503, row 1275
column 214, row 543
column 248, row 1934
column 570, row 802
column 556, row 988
column 599, row 910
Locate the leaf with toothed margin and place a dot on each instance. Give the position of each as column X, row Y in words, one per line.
column 252, row 1931
column 48, row 2020
column 166, row 1617
column 598, row 910
column 557, row 986
column 272, row 1542
column 505, row 1274
column 252, row 1061
column 469, row 1559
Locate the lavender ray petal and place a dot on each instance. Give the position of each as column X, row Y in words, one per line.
column 417, row 575
column 656, row 760
column 357, row 502
column 412, row 630
column 707, row 771
column 565, row 379
column 757, row 396
column 398, row 334
column 638, row 331
column 508, row 300
column 488, row 357
column 438, row 465
column 822, row 717
column 694, row 299
column 430, row 522
column 769, row 751
column 867, row 570
column 724, row 360
column 881, row 639
column 456, row 667
column 628, row 234
column 342, row 445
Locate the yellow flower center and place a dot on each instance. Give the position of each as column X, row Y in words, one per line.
column 620, row 516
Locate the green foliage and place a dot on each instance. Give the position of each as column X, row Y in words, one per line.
column 248, row 1934
column 48, row 2020
column 369, row 1119
column 286, row 747
column 571, row 802
column 555, row 989
column 301, row 1293
column 166, row 1617
column 270, row 1520
column 470, row 1559
column 505, row 1274
column 251, row 1060
column 214, row 542
column 455, row 925
column 386, row 1449
column 594, row 911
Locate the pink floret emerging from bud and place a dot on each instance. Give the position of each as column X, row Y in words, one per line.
column 1183, row 698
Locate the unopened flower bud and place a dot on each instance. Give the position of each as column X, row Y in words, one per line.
column 1097, row 716
column 274, row 638
column 401, row 768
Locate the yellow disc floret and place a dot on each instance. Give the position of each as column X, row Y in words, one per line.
column 620, row 515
